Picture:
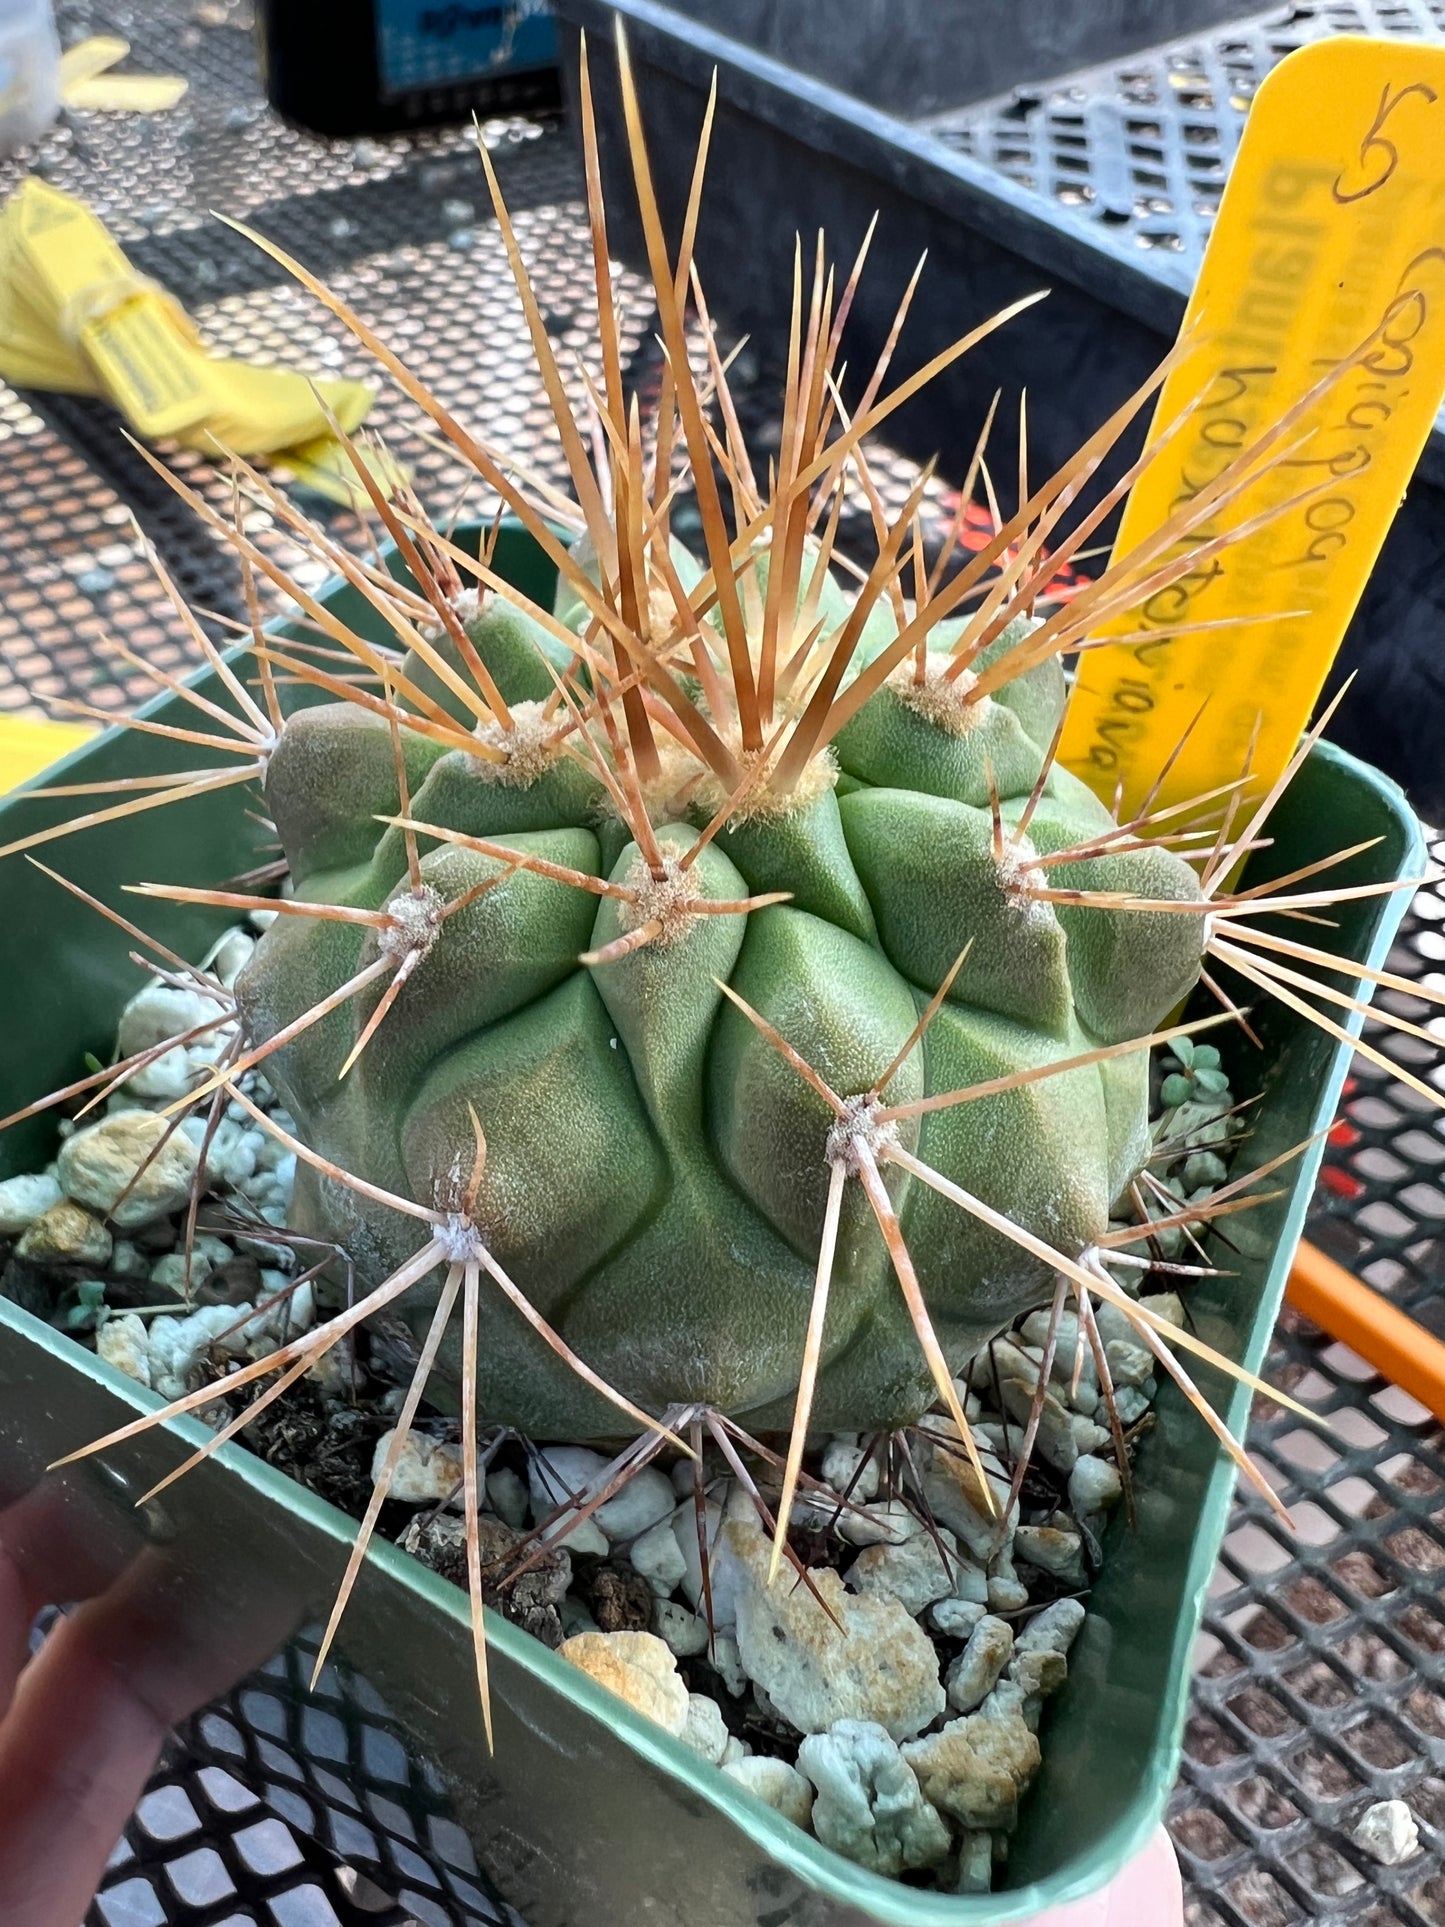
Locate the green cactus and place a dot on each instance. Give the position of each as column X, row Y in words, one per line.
column 706, row 1005
column 656, row 1175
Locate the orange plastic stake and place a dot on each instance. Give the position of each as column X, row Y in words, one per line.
column 1399, row 1348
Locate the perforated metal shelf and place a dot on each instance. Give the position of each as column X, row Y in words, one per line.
column 1139, row 148
column 1320, row 1675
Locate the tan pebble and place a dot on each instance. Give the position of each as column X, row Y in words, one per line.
column 638, row 1668
column 870, row 1660
column 66, row 1234
column 102, row 1167
column 975, row 1769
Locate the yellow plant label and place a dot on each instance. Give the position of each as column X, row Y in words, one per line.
column 324, row 466
column 85, row 80
column 90, row 57
column 29, row 744
column 76, row 316
column 157, row 381
column 129, row 330
column 1331, row 235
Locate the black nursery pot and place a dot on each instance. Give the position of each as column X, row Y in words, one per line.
column 585, row 1812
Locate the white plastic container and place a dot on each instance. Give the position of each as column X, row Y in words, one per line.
column 29, row 71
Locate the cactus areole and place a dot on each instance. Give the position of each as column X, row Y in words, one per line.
column 656, row 1173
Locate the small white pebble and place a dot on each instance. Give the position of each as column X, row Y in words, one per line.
column 847, row 1469
column 507, row 1496
column 646, row 1498
column 1129, row 1364
column 704, row 1730
column 1007, row 1595
column 1054, row 1630
column 172, row 1274
column 66, row 1234
column 1388, row 1831
column 1094, row 1485
column 231, row 1156
column 979, row 1667
column 162, row 1011
column 163, row 1078
column 1130, row 1401
column 776, row 1783
column 887, row 1524
column 657, row 1555
column 121, row 1342
column 557, row 1476
column 682, row 1632
column 975, row 1864
column 428, row 1470
column 639, row 1669
column 955, row 1618
column 1088, row 1436
column 230, row 954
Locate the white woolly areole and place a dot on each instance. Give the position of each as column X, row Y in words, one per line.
column 460, row 1241
column 942, row 701
column 1021, row 874
column 762, row 802
column 666, row 795
column 416, row 917
column 466, row 605
column 665, row 900
column 530, row 747
column 662, row 610
column 861, row 1127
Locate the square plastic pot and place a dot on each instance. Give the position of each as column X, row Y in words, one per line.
column 584, row 1812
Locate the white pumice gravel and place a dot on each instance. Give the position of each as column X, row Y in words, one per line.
column 905, row 1730
column 1388, row 1832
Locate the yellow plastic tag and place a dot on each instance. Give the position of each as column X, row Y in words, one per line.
column 85, row 80
column 75, row 316
column 29, row 744
column 90, row 57
column 324, row 466
column 257, row 411
column 130, row 331
column 1332, row 228
column 127, row 93
column 156, row 381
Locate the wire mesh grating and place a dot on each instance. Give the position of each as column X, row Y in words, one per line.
column 1318, row 1687
column 1138, row 150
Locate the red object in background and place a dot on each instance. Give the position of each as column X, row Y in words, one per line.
column 977, row 529
column 1344, row 1136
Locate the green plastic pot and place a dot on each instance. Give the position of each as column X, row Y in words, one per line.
column 586, row 1813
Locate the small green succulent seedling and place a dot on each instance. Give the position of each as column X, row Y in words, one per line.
column 705, row 1002
column 90, row 1311
column 1198, row 1076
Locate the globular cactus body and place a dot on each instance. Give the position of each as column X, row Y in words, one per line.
column 655, row 1173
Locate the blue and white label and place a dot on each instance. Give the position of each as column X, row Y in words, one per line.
column 436, row 43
